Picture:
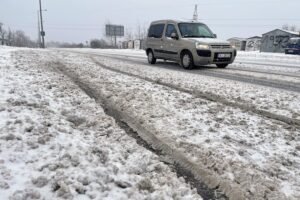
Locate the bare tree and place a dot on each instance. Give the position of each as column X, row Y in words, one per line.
column 144, row 31
column 288, row 27
column 285, row 27
column 128, row 34
column 293, row 28
column 21, row 40
column 15, row 38
column 141, row 32
column 2, row 33
column 138, row 34
column 9, row 37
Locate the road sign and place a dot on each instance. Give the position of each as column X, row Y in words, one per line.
column 114, row 30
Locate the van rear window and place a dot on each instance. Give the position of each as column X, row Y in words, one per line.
column 156, row 30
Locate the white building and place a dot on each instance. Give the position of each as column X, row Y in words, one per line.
column 238, row 43
column 253, row 43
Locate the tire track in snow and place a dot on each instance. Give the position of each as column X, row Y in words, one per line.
column 283, row 85
column 210, row 97
column 206, row 183
column 214, row 69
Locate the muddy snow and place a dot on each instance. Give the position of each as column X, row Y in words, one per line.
column 57, row 143
column 257, row 154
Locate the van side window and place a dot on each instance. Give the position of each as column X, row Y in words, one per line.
column 170, row 29
column 156, row 30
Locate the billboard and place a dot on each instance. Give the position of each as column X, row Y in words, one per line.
column 114, row 30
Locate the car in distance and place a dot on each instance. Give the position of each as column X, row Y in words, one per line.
column 293, row 46
column 189, row 43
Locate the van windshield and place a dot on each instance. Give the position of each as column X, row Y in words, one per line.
column 195, row 30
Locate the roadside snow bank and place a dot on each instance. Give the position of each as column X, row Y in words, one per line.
column 269, row 57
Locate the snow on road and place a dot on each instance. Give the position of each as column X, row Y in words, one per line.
column 276, row 101
column 267, row 58
column 258, row 154
column 57, row 143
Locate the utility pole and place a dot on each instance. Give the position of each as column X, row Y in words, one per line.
column 195, row 16
column 2, row 33
column 42, row 27
column 39, row 30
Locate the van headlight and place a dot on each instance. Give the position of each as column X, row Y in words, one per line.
column 202, row 46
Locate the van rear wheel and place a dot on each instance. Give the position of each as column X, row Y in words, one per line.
column 222, row 65
column 151, row 58
column 186, row 60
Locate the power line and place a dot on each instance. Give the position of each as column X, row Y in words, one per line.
column 100, row 29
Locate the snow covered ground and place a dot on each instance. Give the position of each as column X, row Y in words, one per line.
column 240, row 148
column 57, row 143
column 251, row 144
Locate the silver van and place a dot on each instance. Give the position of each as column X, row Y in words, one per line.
column 189, row 43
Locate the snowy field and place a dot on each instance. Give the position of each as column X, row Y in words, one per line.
column 56, row 141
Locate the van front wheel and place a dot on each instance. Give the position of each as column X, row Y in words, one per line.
column 151, row 58
column 187, row 61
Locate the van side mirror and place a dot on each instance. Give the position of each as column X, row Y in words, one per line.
column 215, row 36
column 174, row 36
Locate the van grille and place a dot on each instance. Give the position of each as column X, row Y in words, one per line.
column 220, row 46
column 204, row 53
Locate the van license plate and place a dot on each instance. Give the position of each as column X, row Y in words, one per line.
column 224, row 55
column 291, row 51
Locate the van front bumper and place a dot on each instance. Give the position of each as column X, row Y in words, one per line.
column 205, row 57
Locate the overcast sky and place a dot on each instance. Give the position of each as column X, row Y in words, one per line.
column 81, row 20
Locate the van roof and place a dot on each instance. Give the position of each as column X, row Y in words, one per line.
column 173, row 21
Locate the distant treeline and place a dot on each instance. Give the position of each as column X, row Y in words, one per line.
column 94, row 43
column 15, row 38
column 18, row 38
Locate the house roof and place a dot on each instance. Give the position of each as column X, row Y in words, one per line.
column 290, row 32
column 255, row 37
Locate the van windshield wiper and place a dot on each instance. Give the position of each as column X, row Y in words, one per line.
column 191, row 36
